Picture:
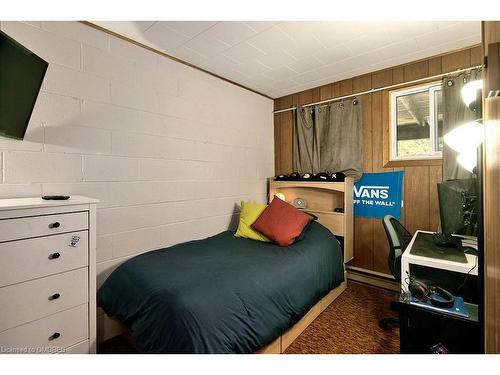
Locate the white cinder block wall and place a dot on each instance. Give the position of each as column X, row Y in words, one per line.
column 169, row 150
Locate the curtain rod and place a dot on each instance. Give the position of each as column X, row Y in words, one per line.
column 380, row 89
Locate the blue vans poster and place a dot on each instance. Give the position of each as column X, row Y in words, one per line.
column 378, row 194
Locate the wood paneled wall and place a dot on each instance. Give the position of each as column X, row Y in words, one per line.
column 420, row 193
column 491, row 193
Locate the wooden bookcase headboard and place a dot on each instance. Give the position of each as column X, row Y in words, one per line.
column 322, row 198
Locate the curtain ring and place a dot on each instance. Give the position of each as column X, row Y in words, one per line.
column 355, row 101
column 449, row 83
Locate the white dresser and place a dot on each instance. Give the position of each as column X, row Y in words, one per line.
column 47, row 275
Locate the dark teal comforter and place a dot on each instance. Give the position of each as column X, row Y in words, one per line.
column 222, row 294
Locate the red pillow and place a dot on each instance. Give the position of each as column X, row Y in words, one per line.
column 281, row 222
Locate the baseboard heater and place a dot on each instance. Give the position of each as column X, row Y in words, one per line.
column 374, row 278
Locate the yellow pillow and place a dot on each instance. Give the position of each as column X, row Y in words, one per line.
column 248, row 214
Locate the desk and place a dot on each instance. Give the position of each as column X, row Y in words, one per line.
column 421, row 328
column 407, row 258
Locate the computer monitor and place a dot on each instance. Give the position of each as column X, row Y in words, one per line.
column 458, row 206
column 21, row 75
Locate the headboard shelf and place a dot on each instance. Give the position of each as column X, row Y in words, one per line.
column 322, row 198
column 314, row 210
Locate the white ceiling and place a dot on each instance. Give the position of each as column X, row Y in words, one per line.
column 280, row 58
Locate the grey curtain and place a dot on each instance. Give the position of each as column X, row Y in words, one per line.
column 456, row 113
column 341, row 138
column 305, row 141
column 329, row 139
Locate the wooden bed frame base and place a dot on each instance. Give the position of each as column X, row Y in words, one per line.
column 279, row 345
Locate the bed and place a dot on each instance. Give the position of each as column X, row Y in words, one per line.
column 225, row 294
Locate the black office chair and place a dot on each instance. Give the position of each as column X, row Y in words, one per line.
column 398, row 238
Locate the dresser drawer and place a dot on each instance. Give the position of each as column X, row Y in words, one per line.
column 38, row 257
column 35, row 226
column 31, row 300
column 48, row 335
column 80, row 348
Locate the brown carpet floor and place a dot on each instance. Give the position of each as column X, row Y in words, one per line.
column 348, row 325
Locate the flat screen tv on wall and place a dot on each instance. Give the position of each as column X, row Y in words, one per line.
column 21, row 76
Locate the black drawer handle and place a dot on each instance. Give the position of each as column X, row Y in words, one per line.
column 54, row 336
column 54, row 256
column 55, row 225
column 54, row 296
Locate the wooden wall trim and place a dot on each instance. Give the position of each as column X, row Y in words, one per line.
column 412, row 163
column 491, row 197
column 166, row 55
column 491, row 211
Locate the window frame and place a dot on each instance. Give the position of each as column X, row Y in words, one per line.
column 430, row 88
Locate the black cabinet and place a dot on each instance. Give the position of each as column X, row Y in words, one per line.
column 421, row 329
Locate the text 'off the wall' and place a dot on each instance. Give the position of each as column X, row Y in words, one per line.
column 379, row 194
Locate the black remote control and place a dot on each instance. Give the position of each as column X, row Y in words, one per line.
column 55, row 197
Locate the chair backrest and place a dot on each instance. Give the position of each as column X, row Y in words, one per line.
column 399, row 238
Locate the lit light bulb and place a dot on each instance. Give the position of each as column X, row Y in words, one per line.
column 280, row 196
column 469, row 91
column 468, row 159
column 465, row 137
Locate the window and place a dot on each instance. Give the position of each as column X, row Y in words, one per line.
column 417, row 122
